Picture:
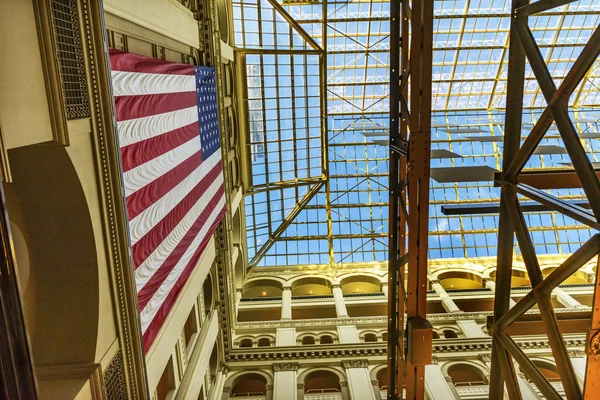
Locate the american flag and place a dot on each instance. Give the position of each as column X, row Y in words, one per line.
column 168, row 133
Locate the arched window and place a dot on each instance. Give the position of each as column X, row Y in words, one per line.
column 264, row 342
column 246, row 343
column 436, row 335
column 382, row 378
column 311, row 287
column 466, row 374
column 326, row 339
column 262, row 288
column 360, row 284
column 208, row 294
column 385, row 336
column 213, row 363
column 249, row 385
column 450, row 334
column 370, row 337
column 322, row 382
column 308, row 340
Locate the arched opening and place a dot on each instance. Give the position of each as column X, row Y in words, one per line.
column 326, row 339
column 207, row 289
column 460, row 280
column 578, row 278
column 246, row 343
column 322, row 382
column 547, row 369
column 382, row 379
column 370, row 337
column 518, row 278
column 385, row 336
column 53, row 203
column 360, row 284
column 466, row 375
column 311, row 287
column 249, row 385
column 308, row 340
column 450, row 334
column 436, row 335
column 213, row 363
column 262, row 288
column 264, row 342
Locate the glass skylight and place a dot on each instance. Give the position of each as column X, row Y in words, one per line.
column 317, row 107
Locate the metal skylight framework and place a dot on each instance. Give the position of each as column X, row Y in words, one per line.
column 317, row 102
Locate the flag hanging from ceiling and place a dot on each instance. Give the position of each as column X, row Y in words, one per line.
column 168, row 133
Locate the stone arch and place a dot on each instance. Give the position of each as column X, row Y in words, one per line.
column 458, row 279
column 252, row 383
column 449, row 332
column 328, row 374
column 262, row 287
column 360, row 283
column 245, row 341
column 579, row 277
column 546, row 367
column 519, row 277
column 208, row 288
column 58, row 245
column 265, row 341
column 463, row 372
column 307, row 339
column 369, row 336
column 309, row 286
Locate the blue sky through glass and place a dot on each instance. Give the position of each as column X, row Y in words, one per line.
column 469, row 86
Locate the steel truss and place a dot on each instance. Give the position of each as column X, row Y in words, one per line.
column 523, row 47
column 410, row 111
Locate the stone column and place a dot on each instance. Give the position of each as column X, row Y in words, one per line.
column 471, row 328
column 376, row 390
column 490, row 284
column 449, row 304
column 285, row 337
column 436, row 385
column 384, row 288
column 238, row 299
column 348, row 334
column 286, row 303
column 285, row 381
column 217, row 392
column 345, row 391
column 359, row 382
column 338, row 297
column 527, row 391
column 300, row 392
column 579, row 361
column 269, row 394
column 566, row 299
column 226, row 393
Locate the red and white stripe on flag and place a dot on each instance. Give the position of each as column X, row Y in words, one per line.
column 166, row 117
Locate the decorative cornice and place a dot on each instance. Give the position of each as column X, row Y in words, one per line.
column 113, row 208
column 281, row 367
column 355, row 364
column 576, row 344
column 360, row 321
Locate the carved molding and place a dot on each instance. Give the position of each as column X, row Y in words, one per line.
column 281, row 367
column 92, row 373
column 355, row 364
column 113, row 207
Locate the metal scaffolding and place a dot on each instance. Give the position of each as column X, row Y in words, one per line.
column 524, row 48
column 411, row 38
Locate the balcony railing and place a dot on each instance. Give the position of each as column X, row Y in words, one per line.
column 472, row 390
